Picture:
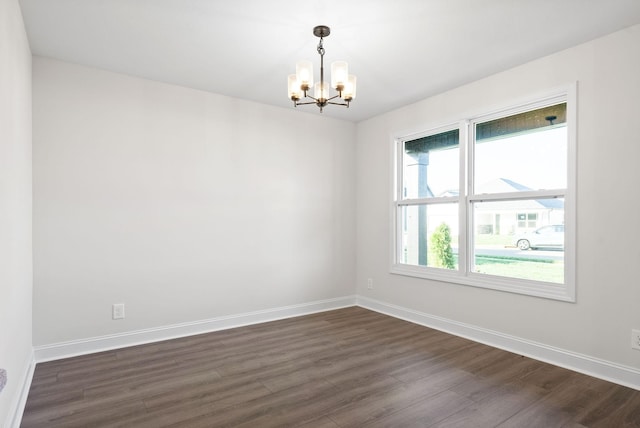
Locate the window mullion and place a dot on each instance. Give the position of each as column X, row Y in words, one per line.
column 522, row 195
column 429, row 201
column 463, row 238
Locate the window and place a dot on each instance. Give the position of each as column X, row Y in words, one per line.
column 430, row 194
column 527, row 220
column 486, row 201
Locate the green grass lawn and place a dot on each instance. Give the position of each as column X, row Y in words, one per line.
column 538, row 270
column 514, row 267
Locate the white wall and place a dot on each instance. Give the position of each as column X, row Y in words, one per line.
column 608, row 295
column 184, row 205
column 15, row 206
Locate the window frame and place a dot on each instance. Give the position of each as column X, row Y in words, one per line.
column 463, row 275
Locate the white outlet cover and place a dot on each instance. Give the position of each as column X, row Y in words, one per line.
column 118, row 311
column 635, row 339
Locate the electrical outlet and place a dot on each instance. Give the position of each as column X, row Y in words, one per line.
column 3, row 379
column 370, row 284
column 118, row 311
column 635, row 339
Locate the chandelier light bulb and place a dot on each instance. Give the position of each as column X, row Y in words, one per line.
column 339, row 75
column 304, row 73
column 293, row 87
column 349, row 92
column 321, row 92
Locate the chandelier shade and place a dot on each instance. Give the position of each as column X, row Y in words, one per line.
column 299, row 84
column 339, row 74
column 304, row 74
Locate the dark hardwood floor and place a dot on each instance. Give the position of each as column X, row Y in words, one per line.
column 346, row 368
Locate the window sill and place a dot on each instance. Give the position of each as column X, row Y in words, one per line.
column 561, row 292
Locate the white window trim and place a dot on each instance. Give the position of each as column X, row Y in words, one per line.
column 563, row 292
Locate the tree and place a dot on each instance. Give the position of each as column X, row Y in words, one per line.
column 440, row 247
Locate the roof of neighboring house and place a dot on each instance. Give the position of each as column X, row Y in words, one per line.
column 504, row 185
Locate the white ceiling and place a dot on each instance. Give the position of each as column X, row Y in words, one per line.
column 401, row 50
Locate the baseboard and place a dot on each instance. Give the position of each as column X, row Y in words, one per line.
column 58, row 351
column 609, row 371
column 16, row 410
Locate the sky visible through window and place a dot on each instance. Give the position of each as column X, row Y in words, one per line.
column 536, row 160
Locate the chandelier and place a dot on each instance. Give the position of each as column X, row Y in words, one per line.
column 301, row 82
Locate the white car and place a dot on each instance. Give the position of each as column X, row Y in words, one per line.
column 551, row 236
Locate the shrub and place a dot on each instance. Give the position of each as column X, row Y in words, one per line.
column 440, row 247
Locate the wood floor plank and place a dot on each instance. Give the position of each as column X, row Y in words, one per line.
column 250, row 411
column 426, row 412
column 344, row 368
column 494, row 403
column 300, row 412
column 620, row 408
column 387, row 402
